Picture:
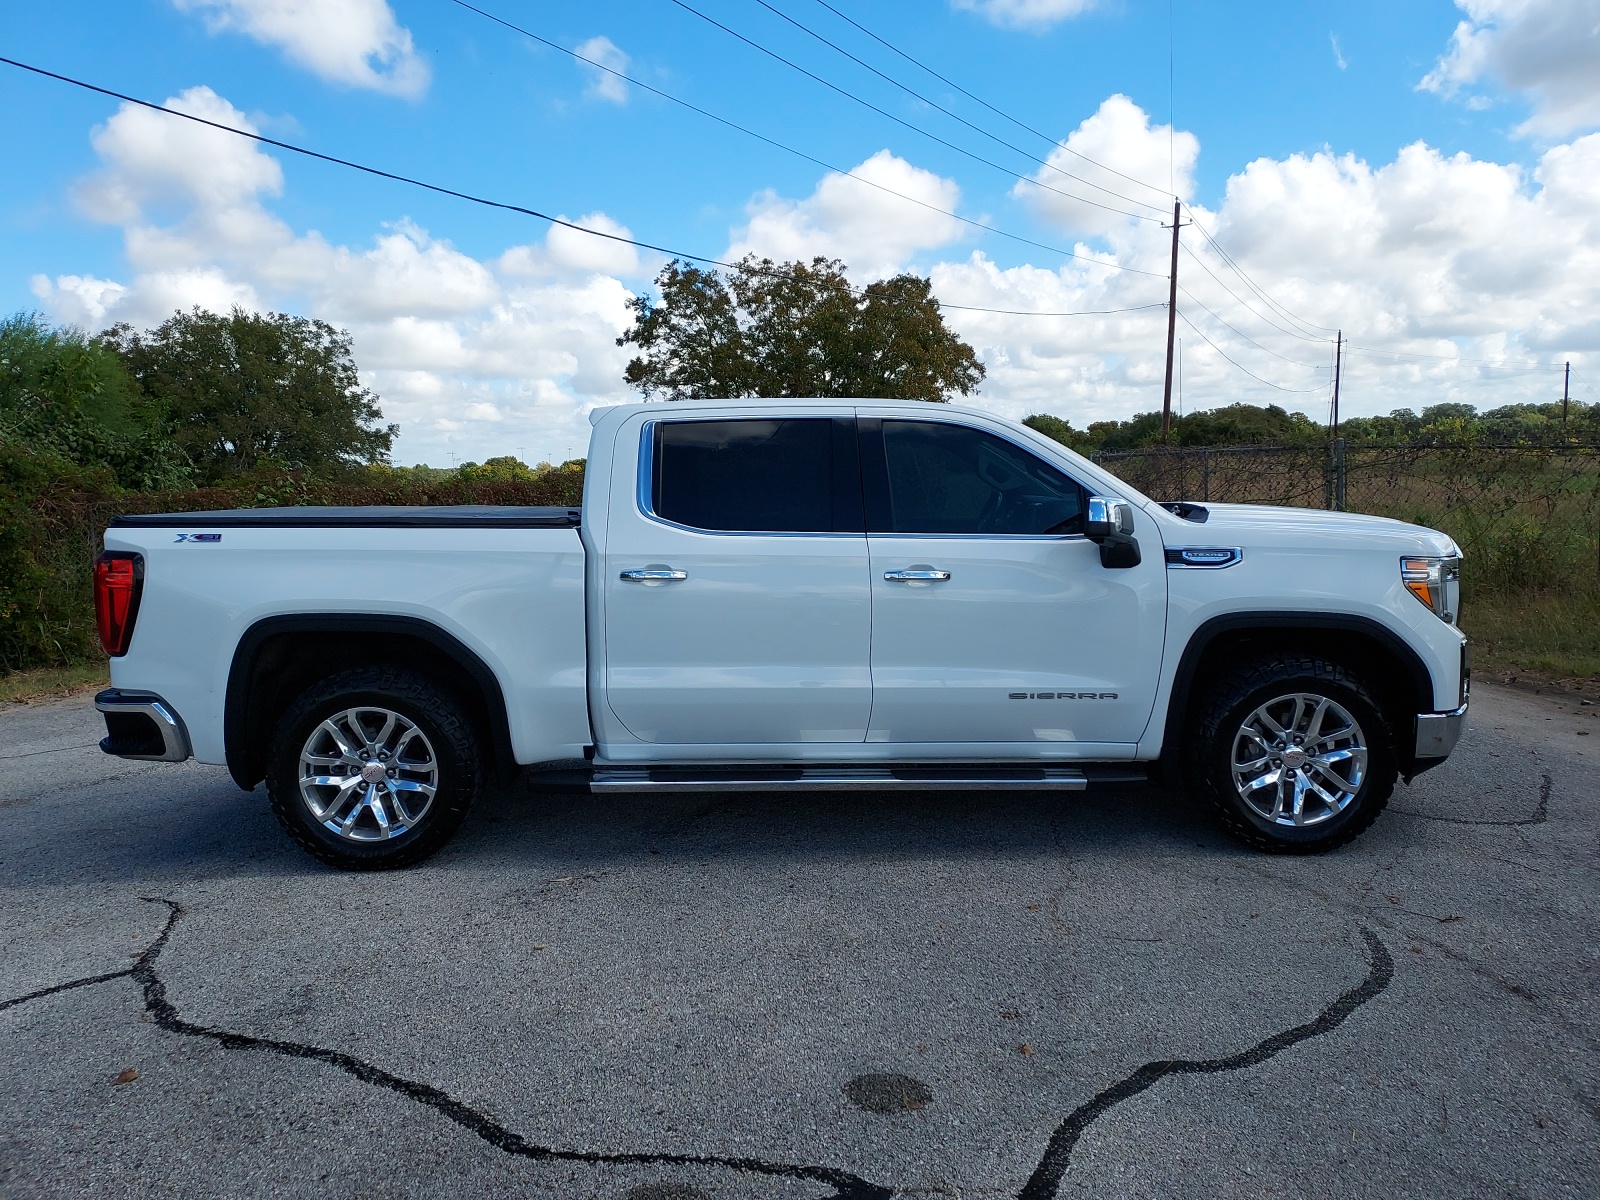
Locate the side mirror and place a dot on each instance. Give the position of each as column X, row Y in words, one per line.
column 1109, row 523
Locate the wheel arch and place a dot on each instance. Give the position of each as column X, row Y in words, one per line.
column 277, row 658
column 1402, row 682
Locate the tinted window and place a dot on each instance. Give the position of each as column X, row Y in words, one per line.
column 952, row 479
column 750, row 476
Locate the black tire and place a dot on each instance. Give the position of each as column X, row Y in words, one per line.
column 1237, row 695
column 442, row 753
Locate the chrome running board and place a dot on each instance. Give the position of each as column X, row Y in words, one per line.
column 838, row 779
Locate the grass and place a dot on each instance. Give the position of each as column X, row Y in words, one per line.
column 1551, row 637
column 44, row 683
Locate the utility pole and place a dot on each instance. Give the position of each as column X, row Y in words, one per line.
column 1172, row 328
column 1566, row 394
column 1338, row 362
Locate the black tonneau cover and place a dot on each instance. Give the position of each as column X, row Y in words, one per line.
column 375, row 516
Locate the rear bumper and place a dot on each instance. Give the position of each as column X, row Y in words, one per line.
column 1438, row 733
column 141, row 725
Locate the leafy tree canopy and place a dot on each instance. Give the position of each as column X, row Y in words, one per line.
column 248, row 391
column 67, row 401
column 794, row 329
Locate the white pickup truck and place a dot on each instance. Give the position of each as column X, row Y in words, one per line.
column 773, row 595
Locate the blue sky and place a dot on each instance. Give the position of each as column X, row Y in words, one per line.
column 483, row 336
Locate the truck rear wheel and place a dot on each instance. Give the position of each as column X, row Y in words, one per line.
column 1293, row 754
column 373, row 768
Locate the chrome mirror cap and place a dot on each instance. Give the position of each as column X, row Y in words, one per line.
column 1107, row 517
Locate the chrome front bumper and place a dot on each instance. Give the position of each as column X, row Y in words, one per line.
column 1438, row 733
column 141, row 725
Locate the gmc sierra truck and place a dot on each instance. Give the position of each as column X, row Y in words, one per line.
column 797, row 594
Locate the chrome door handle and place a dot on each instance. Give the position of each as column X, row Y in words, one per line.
column 916, row 576
column 653, row 576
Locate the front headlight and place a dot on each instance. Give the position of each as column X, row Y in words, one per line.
column 1436, row 582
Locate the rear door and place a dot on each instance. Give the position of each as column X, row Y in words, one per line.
column 738, row 607
column 993, row 620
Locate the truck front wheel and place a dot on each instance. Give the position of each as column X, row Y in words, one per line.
column 373, row 768
column 1293, row 753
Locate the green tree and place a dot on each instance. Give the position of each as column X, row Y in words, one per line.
column 248, row 391
column 67, row 399
column 794, row 329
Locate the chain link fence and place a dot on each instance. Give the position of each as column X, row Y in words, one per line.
column 1526, row 517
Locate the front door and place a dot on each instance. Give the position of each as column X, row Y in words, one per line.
column 737, row 603
column 993, row 620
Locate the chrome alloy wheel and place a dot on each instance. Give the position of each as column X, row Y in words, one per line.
column 1299, row 759
column 368, row 774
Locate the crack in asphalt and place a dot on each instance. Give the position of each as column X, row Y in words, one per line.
column 51, row 750
column 65, row 987
column 1046, row 1178
column 1541, row 811
column 165, row 1015
column 1043, row 1184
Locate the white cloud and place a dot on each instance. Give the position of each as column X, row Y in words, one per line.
column 566, row 251
column 1119, row 136
column 354, row 42
column 602, row 83
column 1025, row 14
column 471, row 357
column 1428, row 254
column 1547, row 49
column 1338, row 53
column 873, row 231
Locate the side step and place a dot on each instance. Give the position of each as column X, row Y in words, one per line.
column 838, row 779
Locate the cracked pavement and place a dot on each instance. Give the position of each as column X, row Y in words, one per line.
column 652, row 998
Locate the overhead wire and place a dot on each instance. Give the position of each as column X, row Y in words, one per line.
column 1243, row 303
column 883, row 112
column 1261, row 292
column 438, row 189
column 761, row 137
column 1195, row 300
column 1093, row 312
column 954, row 116
column 1455, row 359
column 1309, row 326
column 1023, row 125
column 1299, row 391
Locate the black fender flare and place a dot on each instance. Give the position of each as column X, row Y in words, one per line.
column 1283, row 622
column 244, row 751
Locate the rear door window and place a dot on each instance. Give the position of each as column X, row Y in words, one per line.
column 787, row 475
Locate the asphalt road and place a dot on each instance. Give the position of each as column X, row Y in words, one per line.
column 680, row 999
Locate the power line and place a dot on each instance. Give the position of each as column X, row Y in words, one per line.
column 1241, row 366
column 695, row 108
column 1261, row 292
column 883, row 112
column 1243, row 303
column 1246, row 336
column 1255, row 287
column 438, row 189
column 1094, row 312
column 1456, row 359
column 980, row 100
column 912, row 92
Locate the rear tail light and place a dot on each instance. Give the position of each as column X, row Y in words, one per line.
column 118, row 580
